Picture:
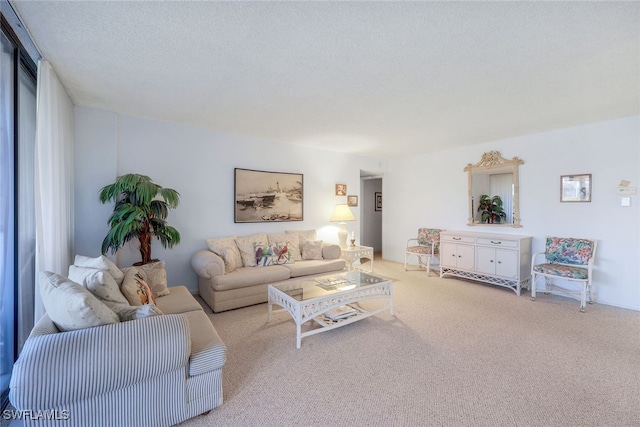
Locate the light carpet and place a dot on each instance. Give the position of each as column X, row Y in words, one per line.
column 456, row 353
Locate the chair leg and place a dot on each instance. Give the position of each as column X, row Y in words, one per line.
column 583, row 298
column 428, row 265
column 533, row 287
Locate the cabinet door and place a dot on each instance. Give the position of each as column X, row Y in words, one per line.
column 466, row 255
column 448, row 254
column 486, row 260
column 507, row 263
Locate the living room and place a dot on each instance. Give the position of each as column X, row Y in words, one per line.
column 424, row 187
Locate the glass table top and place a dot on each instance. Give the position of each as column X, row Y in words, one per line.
column 325, row 285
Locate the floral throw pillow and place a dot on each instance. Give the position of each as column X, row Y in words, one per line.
column 135, row 289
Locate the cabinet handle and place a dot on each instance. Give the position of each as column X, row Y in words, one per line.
column 491, row 260
column 496, row 243
column 457, row 238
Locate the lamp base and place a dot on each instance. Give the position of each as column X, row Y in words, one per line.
column 342, row 235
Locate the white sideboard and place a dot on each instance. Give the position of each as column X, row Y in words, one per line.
column 499, row 259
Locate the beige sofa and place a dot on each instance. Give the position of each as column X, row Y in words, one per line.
column 232, row 274
column 160, row 368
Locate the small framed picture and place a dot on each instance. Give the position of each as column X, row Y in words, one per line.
column 575, row 188
column 378, row 201
column 352, row 201
column 341, row 189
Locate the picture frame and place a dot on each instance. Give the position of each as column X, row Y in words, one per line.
column 576, row 188
column 263, row 196
column 378, row 201
column 341, row 189
column 352, row 201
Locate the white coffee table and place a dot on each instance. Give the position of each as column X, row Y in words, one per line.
column 354, row 253
column 310, row 300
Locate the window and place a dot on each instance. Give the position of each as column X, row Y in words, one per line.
column 17, row 213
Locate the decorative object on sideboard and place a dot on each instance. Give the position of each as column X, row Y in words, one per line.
column 352, row 201
column 140, row 211
column 491, row 209
column 342, row 213
column 575, row 188
column 378, row 201
column 353, row 240
column 262, row 196
column 341, row 189
column 496, row 176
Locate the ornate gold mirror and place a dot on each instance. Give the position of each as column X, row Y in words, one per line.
column 494, row 191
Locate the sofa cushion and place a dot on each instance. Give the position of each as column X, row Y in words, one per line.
column 98, row 282
column 291, row 239
column 70, row 306
column 226, row 249
column 303, row 235
column 207, row 349
column 249, row 276
column 135, row 289
column 306, row 268
column 100, row 263
column 272, row 254
column 178, row 301
column 246, row 248
column 311, row 249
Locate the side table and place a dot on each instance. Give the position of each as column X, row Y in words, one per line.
column 351, row 254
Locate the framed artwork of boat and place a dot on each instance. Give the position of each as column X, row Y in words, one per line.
column 262, row 196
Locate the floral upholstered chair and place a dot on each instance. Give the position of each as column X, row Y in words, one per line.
column 424, row 247
column 568, row 259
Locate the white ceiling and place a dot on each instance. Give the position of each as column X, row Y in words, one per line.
column 380, row 79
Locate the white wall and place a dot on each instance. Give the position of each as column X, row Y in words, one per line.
column 431, row 190
column 200, row 165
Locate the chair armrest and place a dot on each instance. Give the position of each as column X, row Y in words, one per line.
column 207, row 264
column 533, row 258
column 412, row 240
column 58, row 368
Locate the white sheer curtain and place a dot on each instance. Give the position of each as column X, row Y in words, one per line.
column 502, row 185
column 54, row 176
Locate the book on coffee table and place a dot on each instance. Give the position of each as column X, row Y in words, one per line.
column 341, row 312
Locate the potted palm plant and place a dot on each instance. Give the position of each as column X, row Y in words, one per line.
column 140, row 211
column 491, row 209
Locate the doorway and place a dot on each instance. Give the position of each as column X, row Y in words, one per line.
column 371, row 209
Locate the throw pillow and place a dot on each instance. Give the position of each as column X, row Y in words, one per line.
column 247, row 250
column 292, row 241
column 155, row 275
column 98, row 282
column 311, row 249
column 331, row 251
column 100, row 263
column 70, row 306
column 281, row 253
column 135, row 289
column 264, row 254
column 223, row 247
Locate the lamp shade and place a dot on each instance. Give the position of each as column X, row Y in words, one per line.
column 341, row 213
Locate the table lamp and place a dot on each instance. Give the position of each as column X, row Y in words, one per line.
column 340, row 214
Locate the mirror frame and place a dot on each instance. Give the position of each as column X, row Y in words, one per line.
column 493, row 160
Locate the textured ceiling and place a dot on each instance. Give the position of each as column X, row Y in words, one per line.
column 381, row 79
